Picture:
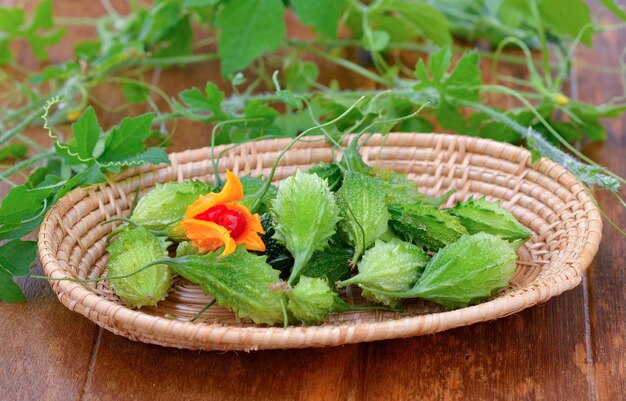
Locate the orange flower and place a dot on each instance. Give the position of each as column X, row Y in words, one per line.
column 217, row 219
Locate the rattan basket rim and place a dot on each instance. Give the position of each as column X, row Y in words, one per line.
column 215, row 336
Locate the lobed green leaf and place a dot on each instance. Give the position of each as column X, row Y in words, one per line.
column 305, row 215
column 249, row 29
column 363, row 211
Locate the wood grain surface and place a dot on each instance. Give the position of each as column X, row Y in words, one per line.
column 571, row 348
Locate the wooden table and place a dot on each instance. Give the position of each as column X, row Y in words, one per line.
column 570, row 348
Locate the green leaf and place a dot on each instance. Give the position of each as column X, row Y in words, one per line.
column 18, row 230
column 389, row 266
column 241, row 282
column 568, row 131
column 9, row 291
column 568, row 17
column 43, row 15
column 376, row 41
column 251, row 186
column 157, row 23
column 415, row 125
column 37, row 176
column 331, row 264
column 323, row 15
column 86, row 132
column 424, row 19
column 178, row 41
column 5, row 52
column 199, row 103
column 200, row 3
column 135, row 93
column 91, row 175
column 593, row 129
column 450, row 117
column 13, row 26
column 87, row 50
column 398, row 188
column 439, row 62
column 329, row 172
column 13, row 151
column 12, row 19
column 287, row 97
column 615, row 8
column 303, row 228
column 21, row 203
column 363, row 211
column 277, row 255
column 249, row 28
column 256, row 109
column 127, row 139
column 40, row 42
column 464, row 81
column 150, row 156
column 300, row 75
column 16, row 257
column 597, row 111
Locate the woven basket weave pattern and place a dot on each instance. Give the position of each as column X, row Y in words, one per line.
column 545, row 197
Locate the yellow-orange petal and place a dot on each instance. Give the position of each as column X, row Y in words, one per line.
column 252, row 241
column 203, row 203
column 208, row 236
column 232, row 191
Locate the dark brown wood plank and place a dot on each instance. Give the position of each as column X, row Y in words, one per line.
column 46, row 348
column 126, row 370
column 606, row 278
column 540, row 353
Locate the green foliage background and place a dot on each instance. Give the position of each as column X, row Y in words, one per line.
column 275, row 88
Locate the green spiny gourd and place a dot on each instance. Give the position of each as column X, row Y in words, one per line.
column 464, row 272
column 489, row 217
column 133, row 248
column 425, row 225
column 389, row 266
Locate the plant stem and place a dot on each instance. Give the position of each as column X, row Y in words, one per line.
column 259, row 195
column 204, row 309
column 69, row 21
column 342, row 62
column 166, row 61
column 109, row 8
column 30, row 142
column 27, row 163
column 19, row 127
column 544, row 43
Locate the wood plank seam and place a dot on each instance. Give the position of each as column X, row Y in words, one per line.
column 91, row 365
column 591, row 376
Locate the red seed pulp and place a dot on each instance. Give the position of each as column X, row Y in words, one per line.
column 232, row 220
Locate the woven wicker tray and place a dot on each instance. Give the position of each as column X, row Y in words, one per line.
column 545, row 197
